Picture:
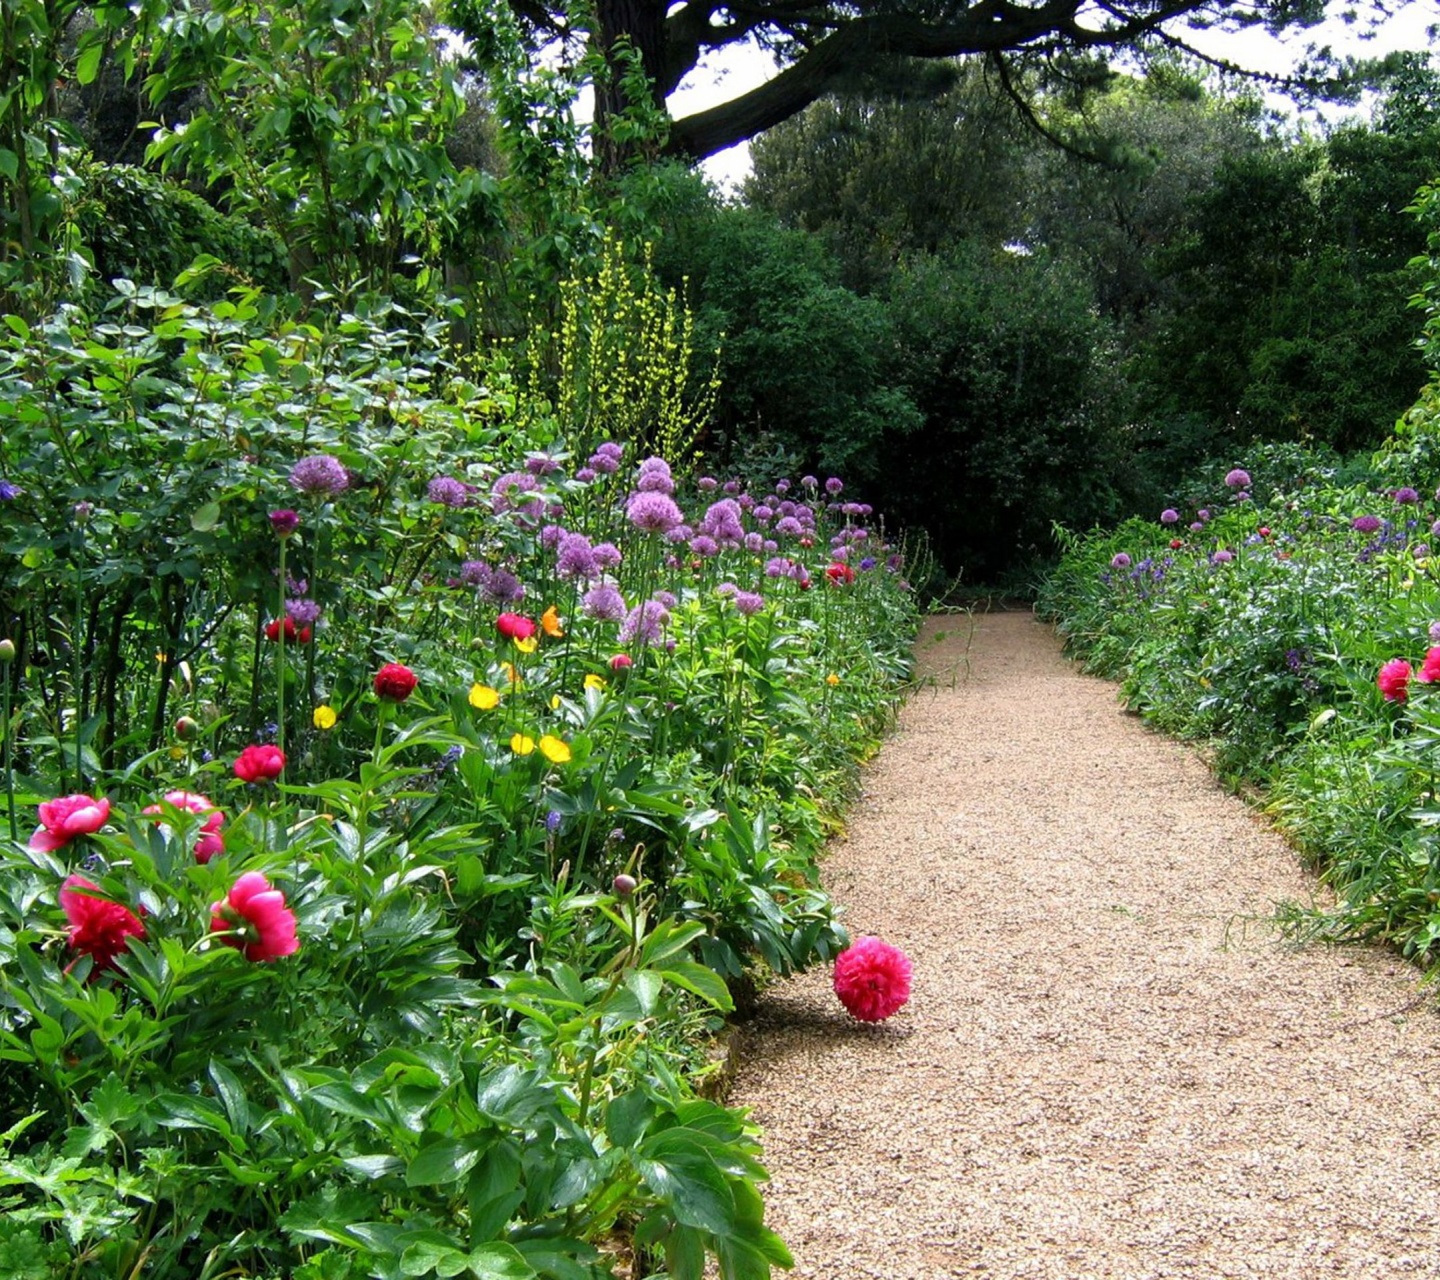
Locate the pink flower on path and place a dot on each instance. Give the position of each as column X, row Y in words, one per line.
column 1394, row 680
column 63, row 819
column 99, row 928
column 872, row 979
column 210, row 842
column 255, row 920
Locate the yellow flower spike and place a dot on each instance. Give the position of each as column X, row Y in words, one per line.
column 483, row 697
column 592, row 681
column 832, row 679
column 522, row 744
column 550, row 622
column 528, row 645
column 554, row 702
column 554, row 750
column 324, row 717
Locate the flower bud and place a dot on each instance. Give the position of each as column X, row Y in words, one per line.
column 623, row 885
column 187, row 728
column 82, row 512
column 7, row 650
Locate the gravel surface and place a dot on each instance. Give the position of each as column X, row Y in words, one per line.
column 1109, row 1065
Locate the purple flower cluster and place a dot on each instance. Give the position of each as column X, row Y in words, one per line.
column 645, row 624
column 319, row 475
column 448, row 491
column 653, row 512
column 604, row 603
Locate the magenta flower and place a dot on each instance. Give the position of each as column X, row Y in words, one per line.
column 1393, row 680
column 62, row 819
column 99, row 928
column 1237, row 479
column 258, row 764
column 319, row 475
column 872, row 979
column 254, row 920
column 284, row 522
column 653, row 512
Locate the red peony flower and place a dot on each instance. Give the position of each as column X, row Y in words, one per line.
column 209, row 841
column 1394, row 680
column 872, row 979
column 1429, row 672
column 394, row 682
column 514, row 626
column 254, row 920
column 293, row 634
column 99, row 928
column 840, row 574
column 259, row 764
column 62, row 819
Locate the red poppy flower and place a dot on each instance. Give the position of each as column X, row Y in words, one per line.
column 394, row 682
column 842, row 575
column 293, row 634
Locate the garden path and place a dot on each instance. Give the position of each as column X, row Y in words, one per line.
column 1110, row 1066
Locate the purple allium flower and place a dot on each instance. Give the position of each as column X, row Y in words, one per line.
column 586, row 475
column 1242, row 496
column 645, row 624
column 474, row 573
column 575, row 557
column 789, row 527
column 723, row 522
column 762, row 513
column 707, row 484
column 9, row 492
column 730, row 488
column 604, row 464
column 303, row 613
column 655, row 477
column 809, row 482
column 503, row 587
column 318, row 474
column 284, row 522
column 667, row 598
column 653, row 512
column 1420, row 550
column 834, row 486
column 1120, row 560
column 768, row 545
column 1169, row 516
column 1406, row 495
column 679, row 534
column 704, row 545
column 604, row 603
column 1435, row 630
column 777, row 567
column 748, row 603
column 607, row 555
column 448, row 492
column 746, row 501
column 1237, row 479
column 1222, row 557
column 782, row 486
column 1365, row 524
column 754, row 542
column 1196, row 527
column 511, row 491
column 726, row 589
column 1203, row 514
column 550, row 536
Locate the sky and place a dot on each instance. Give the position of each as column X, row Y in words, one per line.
column 746, row 67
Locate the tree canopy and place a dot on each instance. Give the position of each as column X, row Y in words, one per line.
column 823, row 45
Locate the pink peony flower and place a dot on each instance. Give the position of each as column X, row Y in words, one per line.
column 1429, row 672
column 259, row 764
column 209, row 841
column 1394, row 680
column 394, row 682
column 99, row 928
column 515, row 626
column 872, row 979
column 62, row 819
column 254, row 920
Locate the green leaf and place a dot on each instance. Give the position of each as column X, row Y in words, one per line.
column 445, row 1161
column 678, row 1169
column 628, row 1117
column 646, row 985
column 87, row 65
column 700, row 981
column 204, row 519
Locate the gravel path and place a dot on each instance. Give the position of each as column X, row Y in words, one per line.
column 1109, row 1065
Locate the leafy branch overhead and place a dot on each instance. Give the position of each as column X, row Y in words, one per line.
column 820, row 47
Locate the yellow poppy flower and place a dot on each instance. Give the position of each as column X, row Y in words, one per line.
column 527, row 645
column 324, row 717
column 550, row 622
column 483, row 697
column 554, row 702
column 553, row 749
column 832, row 679
column 522, row 744
column 592, row 681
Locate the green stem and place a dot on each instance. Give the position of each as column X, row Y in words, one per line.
column 5, row 742
column 280, row 661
